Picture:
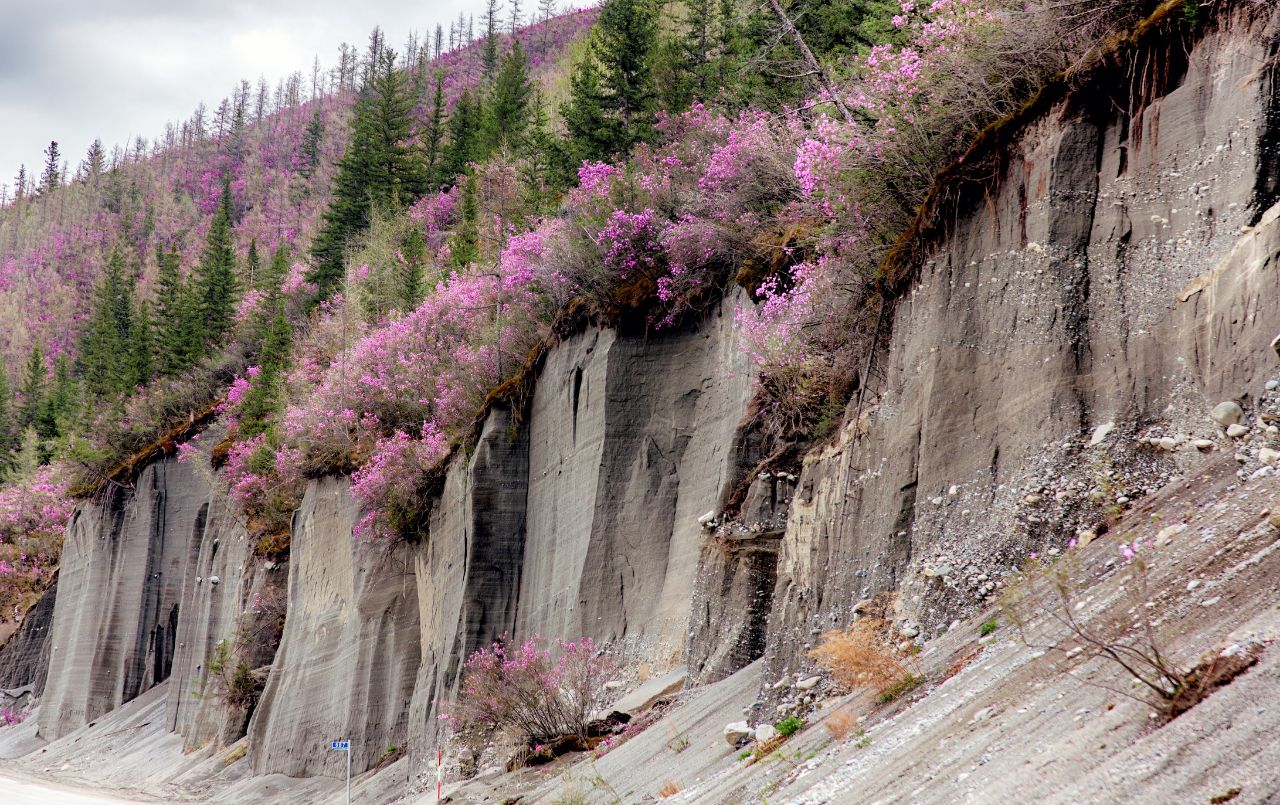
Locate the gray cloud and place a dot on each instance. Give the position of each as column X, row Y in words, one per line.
column 73, row 70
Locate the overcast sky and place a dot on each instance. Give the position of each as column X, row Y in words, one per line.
column 72, row 70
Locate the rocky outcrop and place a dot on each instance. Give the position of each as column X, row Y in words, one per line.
column 125, row 557
column 24, row 657
column 348, row 659
column 1080, row 290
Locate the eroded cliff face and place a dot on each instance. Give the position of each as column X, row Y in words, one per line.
column 161, row 572
column 1081, row 291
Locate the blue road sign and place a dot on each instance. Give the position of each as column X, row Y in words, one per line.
column 340, row 745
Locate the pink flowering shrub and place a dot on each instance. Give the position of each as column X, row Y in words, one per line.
column 11, row 717
column 34, row 512
column 388, row 485
column 537, row 694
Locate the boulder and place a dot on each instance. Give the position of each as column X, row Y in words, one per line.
column 736, row 733
column 765, row 733
column 1227, row 413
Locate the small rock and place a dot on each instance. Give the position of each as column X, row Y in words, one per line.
column 909, row 631
column 782, row 683
column 937, row 501
column 737, row 732
column 1166, row 534
column 1227, row 413
column 214, row 580
column 614, row 684
column 809, row 683
column 764, row 733
column 1032, row 499
column 1168, row 443
column 707, row 520
column 1085, row 537
column 1269, row 456
column 954, row 490
column 1272, row 385
column 984, row 714
column 1191, row 585
column 1203, row 444
column 1236, row 431
column 1100, row 433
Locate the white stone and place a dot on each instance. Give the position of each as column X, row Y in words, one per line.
column 1100, row 433
column 809, row 683
column 614, row 684
column 1272, row 385
column 1236, row 431
column 1166, row 534
column 764, row 733
column 1203, row 444
column 1167, row 443
column 1269, row 456
column 214, row 580
column 1227, row 413
column 736, row 733
column 707, row 519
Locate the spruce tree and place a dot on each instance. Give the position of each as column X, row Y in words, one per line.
column 141, row 346
column 253, row 265
column 64, row 397
column 33, row 388
column 379, row 167
column 463, row 146
column 266, row 390
column 464, row 247
column 8, row 427
column 507, row 112
column 51, row 178
column 215, row 279
column 173, row 350
column 433, row 138
column 414, row 250
column 612, row 108
column 106, row 362
column 311, row 139
column 489, row 56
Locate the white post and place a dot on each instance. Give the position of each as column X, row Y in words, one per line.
column 348, row 773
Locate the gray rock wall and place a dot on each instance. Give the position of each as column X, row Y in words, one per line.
column 124, row 558
column 348, row 659
column 24, row 657
column 1053, row 307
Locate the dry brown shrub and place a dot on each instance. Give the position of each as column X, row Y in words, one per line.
column 840, row 724
column 862, row 656
column 669, row 789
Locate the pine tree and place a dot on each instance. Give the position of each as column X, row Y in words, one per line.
column 277, row 272
column 379, row 167
column 51, row 179
column 266, row 390
column 94, row 162
column 215, row 280
column 64, row 398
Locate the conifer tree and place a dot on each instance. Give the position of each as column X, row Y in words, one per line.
column 253, row 265
column 611, row 108
column 266, row 390
column 94, row 162
column 379, row 167
column 215, row 281
column 311, row 139
column 507, row 112
column 172, row 328
column 141, row 345
column 465, row 245
column 51, row 179
column 8, row 427
column 414, row 251
column 433, row 138
column 490, row 54
column 33, row 388
column 106, row 362
column 463, row 146
column 64, row 397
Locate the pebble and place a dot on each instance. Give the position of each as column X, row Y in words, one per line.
column 765, row 733
column 1269, row 456
column 1208, row 602
column 737, row 732
column 1100, row 433
column 1191, row 585
column 1236, row 431
column 1272, row 385
column 808, row 683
